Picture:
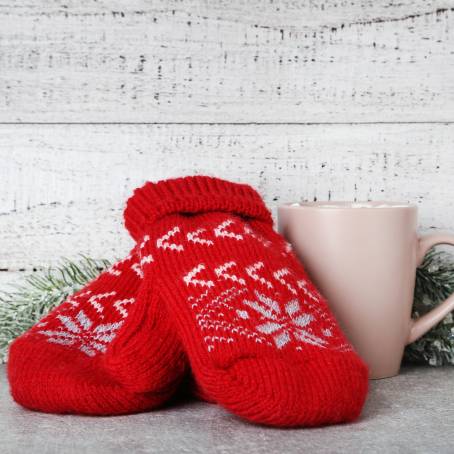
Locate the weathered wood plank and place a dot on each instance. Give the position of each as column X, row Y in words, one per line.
column 9, row 279
column 236, row 61
column 63, row 187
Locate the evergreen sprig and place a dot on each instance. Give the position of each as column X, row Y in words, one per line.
column 26, row 303
column 434, row 283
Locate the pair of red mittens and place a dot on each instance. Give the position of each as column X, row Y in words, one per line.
column 212, row 287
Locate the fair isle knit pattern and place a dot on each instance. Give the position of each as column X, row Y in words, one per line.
column 99, row 351
column 299, row 320
column 90, row 321
column 259, row 336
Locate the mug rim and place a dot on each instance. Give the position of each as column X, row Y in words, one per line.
column 349, row 205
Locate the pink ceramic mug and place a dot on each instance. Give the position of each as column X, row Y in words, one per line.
column 363, row 258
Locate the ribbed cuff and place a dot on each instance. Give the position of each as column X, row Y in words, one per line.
column 195, row 194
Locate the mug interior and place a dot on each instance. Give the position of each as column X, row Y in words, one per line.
column 328, row 204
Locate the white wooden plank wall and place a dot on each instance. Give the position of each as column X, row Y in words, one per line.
column 227, row 61
column 303, row 99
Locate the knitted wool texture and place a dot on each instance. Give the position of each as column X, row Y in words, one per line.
column 101, row 352
column 259, row 336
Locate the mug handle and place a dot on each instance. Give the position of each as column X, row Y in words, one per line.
column 421, row 325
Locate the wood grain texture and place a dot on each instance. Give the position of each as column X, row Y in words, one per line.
column 63, row 187
column 226, row 61
column 10, row 278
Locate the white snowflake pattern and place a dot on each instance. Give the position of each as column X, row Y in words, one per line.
column 283, row 326
column 80, row 331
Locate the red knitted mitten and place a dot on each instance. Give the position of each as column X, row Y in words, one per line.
column 260, row 338
column 101, row 351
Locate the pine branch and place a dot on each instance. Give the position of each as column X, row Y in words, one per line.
column 434, row 283
column 25, row 304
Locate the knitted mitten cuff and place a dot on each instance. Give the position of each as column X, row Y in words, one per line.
column 193, row 194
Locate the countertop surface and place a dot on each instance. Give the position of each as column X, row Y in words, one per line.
column 410, row 413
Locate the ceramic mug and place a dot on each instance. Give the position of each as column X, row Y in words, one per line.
column 363, row 258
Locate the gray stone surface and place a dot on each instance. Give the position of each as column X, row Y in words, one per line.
column 411, row 413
